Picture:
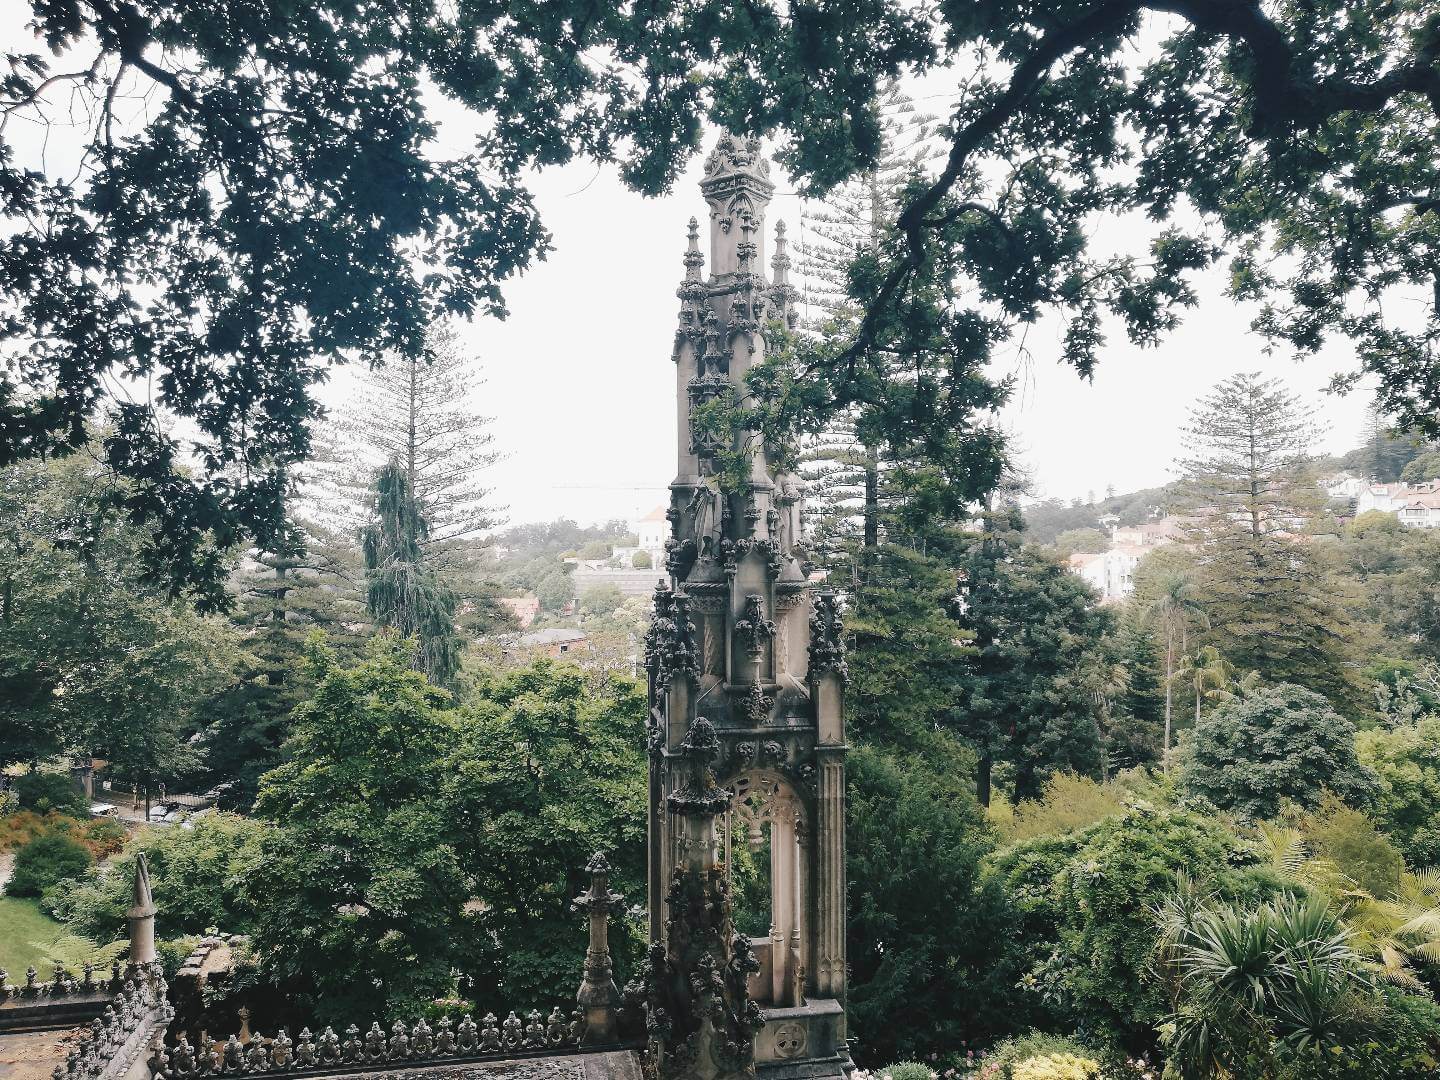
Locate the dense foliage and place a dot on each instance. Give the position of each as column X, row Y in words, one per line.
column 923, row 923
column 43, row 792
column 1272, row 744
column 47, row 860
column 1406, row 762
column 1084, row 903
column 197, row 875
column 415, row 839
column 549, row 768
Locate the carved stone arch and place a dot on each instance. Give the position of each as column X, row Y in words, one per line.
column 762, row 798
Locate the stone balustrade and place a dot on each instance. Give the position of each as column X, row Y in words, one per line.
column 418, row 1043
column 115, row 1040
column 62, row 984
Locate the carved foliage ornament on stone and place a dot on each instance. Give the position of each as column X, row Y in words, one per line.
column 670, row 646
column 752, row 629
column 699, row 1018
column 827, row 637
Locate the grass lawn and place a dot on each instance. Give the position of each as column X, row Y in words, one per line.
column 25, row 936
column 29, row 936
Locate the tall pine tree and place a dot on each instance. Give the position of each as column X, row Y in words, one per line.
column 843, row 463
column 422, row 415
column 1270, row 603
column 403, row 591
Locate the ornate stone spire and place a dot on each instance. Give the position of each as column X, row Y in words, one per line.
column 782, row 293
column 746, row 724
column 598, row 995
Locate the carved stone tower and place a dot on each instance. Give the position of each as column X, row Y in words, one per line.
column 747, row 737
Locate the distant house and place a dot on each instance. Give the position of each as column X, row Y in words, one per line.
column 554, row 642
column 652, row 531
column 1166, row 530
column 524, row 608
column 1420, row 509
column 1342, row 485
column 1416, row 506
column 1110, row 573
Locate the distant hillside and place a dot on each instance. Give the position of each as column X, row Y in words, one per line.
column 1381, row 458
column 1046, row 519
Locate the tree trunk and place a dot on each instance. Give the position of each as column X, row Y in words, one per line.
column 982, row 780
column 872, row 498
column 1169, row 694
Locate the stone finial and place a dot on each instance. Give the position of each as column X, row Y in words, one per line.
column 598, row 995
column 694, row 260
column 736, row 155
column 141, row 916
column 780, row 263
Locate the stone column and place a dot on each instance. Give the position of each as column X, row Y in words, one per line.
column 141, row 916
column 782, row 901
column 830, row 867
column 598, row 995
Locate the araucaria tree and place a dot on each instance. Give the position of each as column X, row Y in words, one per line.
column 1251, row 494
column 423, row 414
column 842, row 463
column 402, row 591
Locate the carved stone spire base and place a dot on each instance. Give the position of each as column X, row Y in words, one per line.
column 702, row 1024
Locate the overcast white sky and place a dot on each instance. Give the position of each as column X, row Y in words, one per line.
column 582, row 388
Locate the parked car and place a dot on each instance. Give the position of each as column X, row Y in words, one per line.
column 104, row 809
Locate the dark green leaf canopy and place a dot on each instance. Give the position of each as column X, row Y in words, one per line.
column 279, row 207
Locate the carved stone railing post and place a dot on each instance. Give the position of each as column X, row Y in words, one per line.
column 598, row 995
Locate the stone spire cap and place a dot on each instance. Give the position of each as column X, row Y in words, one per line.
column 734, row 157
column 142, row 903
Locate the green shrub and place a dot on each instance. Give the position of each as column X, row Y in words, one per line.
column 105, row 836
column 1084, row 905
column 45, row 861
column 194, row 873
column 1275, row 743
column 1026, row 1056
column 1349, row 840
column 908, row 1070
column 641, row 561
column 43, row 792
column 1407, row 762
column 1070, row 802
